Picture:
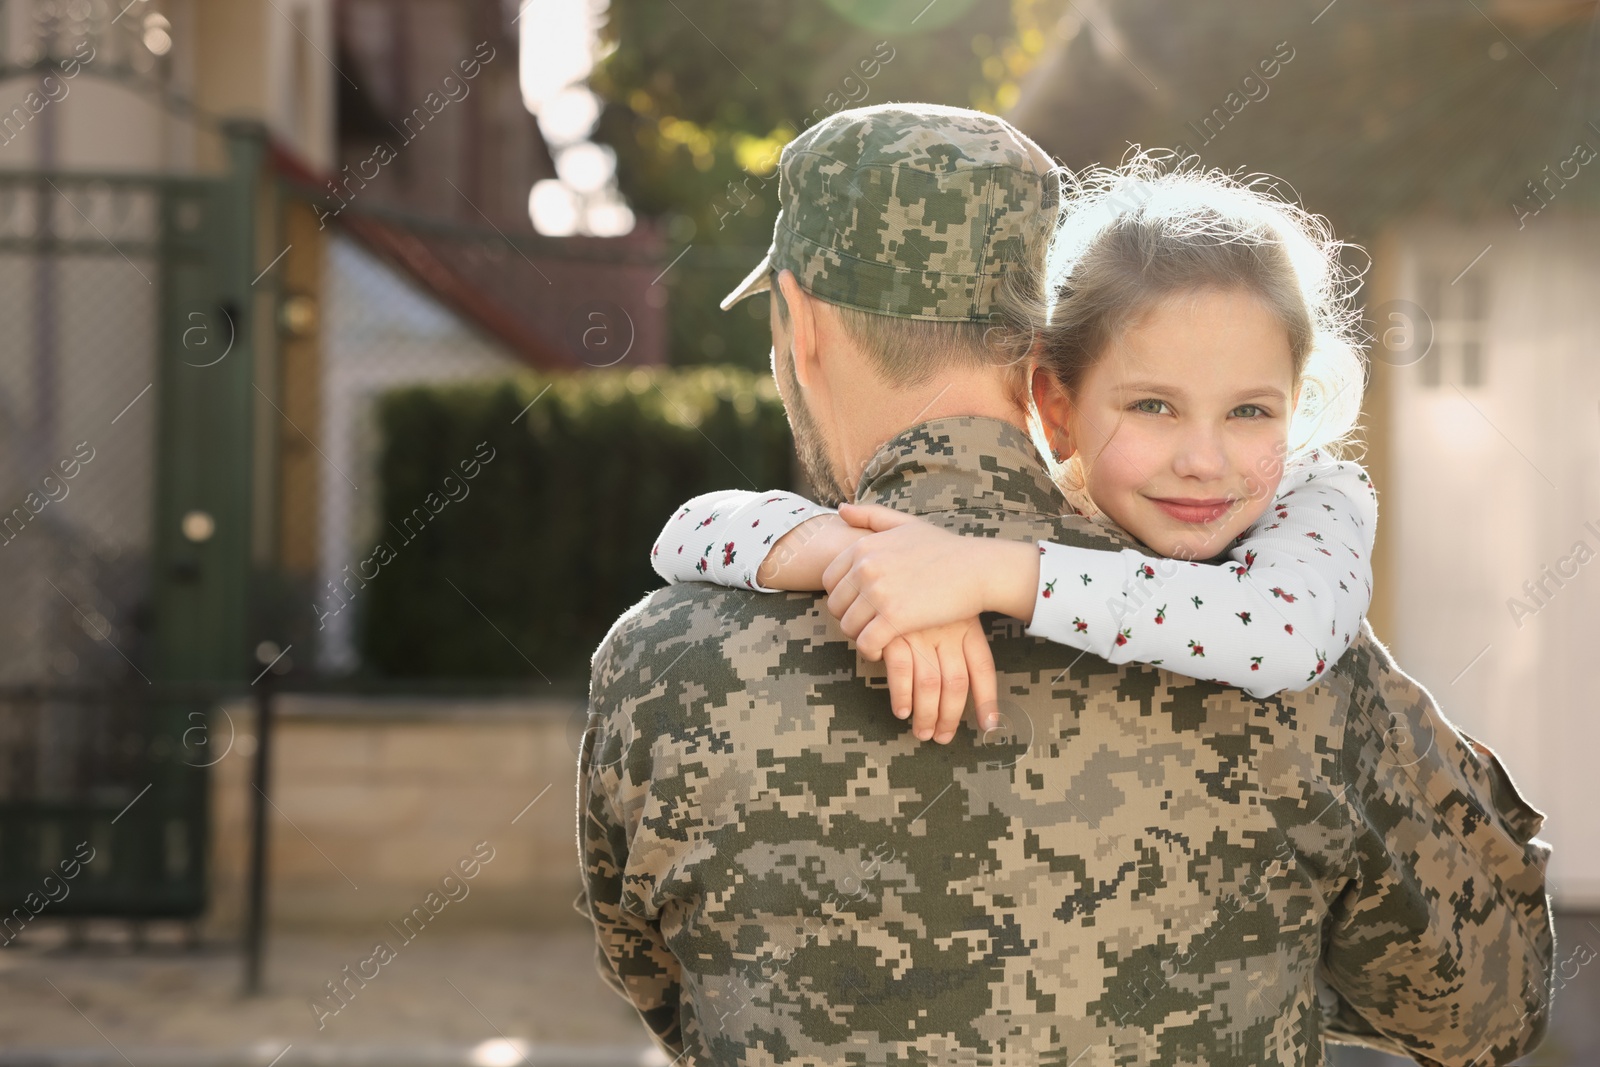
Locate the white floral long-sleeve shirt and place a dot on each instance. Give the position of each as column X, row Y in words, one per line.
column 724, row 537
column 1276, row 616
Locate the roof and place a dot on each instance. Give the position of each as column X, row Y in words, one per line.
column 521, row 293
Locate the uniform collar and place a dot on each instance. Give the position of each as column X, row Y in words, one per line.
column 961, row 462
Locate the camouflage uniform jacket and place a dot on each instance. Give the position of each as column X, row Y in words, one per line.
column 1144, row 869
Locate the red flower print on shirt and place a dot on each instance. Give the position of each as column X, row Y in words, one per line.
column 1161, row 615
column 1196, row 650
column 1079, row 625
column 728, row 554
column 1290, row 597
column 1049, row 587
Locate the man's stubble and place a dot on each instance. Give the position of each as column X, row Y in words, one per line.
column 809, row 442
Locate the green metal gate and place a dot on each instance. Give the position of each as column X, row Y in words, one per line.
column 127, row 336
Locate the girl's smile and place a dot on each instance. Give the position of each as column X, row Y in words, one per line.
column 1193, row 510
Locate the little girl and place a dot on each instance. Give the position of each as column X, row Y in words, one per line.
column 1192, row 334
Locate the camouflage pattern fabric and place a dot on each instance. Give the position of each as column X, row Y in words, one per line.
column 912, row 210
column 1140, row 868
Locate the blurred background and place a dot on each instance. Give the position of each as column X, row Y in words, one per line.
column 352, row 353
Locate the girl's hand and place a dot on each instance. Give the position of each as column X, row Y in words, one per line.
column 931, row 672
column 910, row 575
column 798, row 558
column 879, row 587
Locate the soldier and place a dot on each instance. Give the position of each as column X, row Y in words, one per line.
column 1137, row 867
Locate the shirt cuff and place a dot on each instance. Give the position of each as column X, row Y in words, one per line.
column 754, row 529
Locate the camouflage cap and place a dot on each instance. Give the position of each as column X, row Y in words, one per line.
column 912, row 210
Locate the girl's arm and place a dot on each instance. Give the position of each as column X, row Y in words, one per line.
column 780, row 541
column 763, row 541
column 1276, row 617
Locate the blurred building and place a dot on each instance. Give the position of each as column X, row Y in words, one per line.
column 1461, row 147
column 390, row 236
column 225, row 230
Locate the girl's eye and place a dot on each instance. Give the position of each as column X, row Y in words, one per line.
column 1250, row 411
column 1150, row 406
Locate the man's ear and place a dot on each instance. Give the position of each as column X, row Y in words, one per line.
column 1050, row 400
column 802, row 328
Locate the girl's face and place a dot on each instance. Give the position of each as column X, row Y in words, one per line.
column 1181, row 427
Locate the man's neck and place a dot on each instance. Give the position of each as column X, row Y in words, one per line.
column 951, row 400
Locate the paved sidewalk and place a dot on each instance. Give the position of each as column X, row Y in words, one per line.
column 479, row 997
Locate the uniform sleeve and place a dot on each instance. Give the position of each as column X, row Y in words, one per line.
column 632, row 956
column 724, row 537
column 1442, row 939
column 1275, row 617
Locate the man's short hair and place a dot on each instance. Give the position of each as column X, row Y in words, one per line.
column 907, row 352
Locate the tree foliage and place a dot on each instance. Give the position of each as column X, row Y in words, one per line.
column 700, row 98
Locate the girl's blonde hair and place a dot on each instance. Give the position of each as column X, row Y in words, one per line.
column 1159, row 226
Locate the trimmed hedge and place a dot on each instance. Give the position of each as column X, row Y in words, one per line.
column 549, row 540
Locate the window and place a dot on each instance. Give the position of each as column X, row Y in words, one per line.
column 1459, row 312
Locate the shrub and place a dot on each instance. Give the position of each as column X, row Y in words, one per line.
column 550, row 541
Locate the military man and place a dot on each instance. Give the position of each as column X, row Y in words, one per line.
column 1140, row 868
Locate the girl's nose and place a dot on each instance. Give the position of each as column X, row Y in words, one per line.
column 1200, row 454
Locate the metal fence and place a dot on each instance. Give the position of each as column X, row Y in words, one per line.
column 79, row 260
column 102, row 804
column 94, row 780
